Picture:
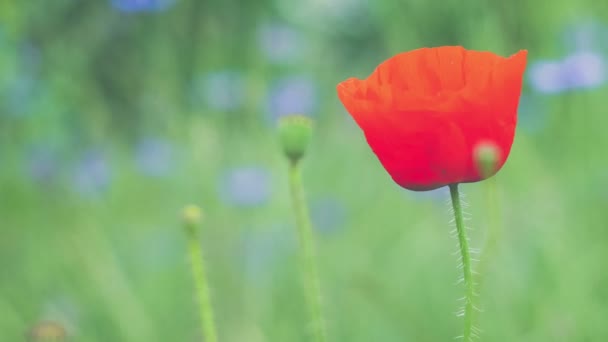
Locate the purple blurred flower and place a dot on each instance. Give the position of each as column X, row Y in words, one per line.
column 92, row 174
column 580, row 70
column 154, row 157
column 292, row 95
column 220, row 90
column 42, row 165
column 245, row 186
column 134, row 6
column 327, row 214
column 280, row 43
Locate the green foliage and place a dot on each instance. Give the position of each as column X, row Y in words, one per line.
column 112, row 266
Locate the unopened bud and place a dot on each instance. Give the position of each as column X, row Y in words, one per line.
column 487, row 156
column 191, row 216
column 295, row 132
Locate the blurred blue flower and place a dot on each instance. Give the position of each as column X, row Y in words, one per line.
column 546, row 76
column 134, row 6
column 580, row 70
column 280, row 43
column 154, row 157
column 291, row 95
column 220, row 90
column 587, row 35
column 584, row 69
column 246, row 186
column 327, row 214
column 92, row 174
column 42, row 165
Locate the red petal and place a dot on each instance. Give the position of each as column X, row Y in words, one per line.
column 423, row 111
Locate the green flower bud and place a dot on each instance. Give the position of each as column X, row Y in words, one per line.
column 487, row 156
column 295, row 132
column 191, row 216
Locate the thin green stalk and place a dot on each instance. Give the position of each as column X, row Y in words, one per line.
column 201, row 286
column 311, row 275
column 465, row 254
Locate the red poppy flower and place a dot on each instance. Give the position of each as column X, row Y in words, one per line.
column 423, row 112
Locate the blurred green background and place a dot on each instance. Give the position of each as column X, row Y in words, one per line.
column 114, row 114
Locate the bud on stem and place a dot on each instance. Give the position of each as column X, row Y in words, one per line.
column 295, row 132
column 191, row 216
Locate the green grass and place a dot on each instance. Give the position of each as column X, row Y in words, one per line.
column 114, row 268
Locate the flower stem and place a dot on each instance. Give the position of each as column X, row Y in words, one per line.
column 201, row 286
column 311, row 275
column 466, row 265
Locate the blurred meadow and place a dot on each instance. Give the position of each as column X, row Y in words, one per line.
column 115, row 114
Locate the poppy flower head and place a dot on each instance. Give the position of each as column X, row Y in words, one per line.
column 423, row 112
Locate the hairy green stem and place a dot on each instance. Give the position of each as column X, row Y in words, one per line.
column 312, row 286
column 466, row 265
column 201, row 286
